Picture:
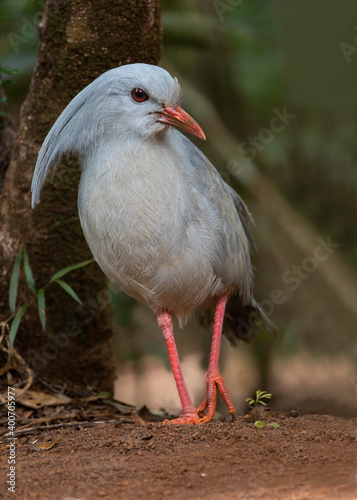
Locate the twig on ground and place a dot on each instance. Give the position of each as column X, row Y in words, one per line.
column 60, row 425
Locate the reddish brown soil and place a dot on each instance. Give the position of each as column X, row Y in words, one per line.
column 309, row 457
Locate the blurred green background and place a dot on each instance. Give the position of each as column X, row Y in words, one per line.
column 273, row 84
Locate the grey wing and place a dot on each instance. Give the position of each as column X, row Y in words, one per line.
column 234, row 240
column 232, row 265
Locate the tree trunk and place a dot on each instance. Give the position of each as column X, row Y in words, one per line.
column 79, row 40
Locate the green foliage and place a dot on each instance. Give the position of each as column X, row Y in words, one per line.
column 259, row 396
column 41, row 300
column 259, row 424
column 105, row 395
column 14, row 281
column 254, row 403
column 38, row 295
column 5, row 83
column 14, row 327
column 9, row 71
column 69, row 290
column 28, row 273
column 67, row 269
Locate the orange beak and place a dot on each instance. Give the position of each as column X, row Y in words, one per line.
column 177, row 117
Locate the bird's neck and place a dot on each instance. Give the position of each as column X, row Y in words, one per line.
column 133, row 154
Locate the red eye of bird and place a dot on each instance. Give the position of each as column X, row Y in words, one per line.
column 139, row 95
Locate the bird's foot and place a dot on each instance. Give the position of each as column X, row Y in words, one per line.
column 214, row 381
column 186, row 417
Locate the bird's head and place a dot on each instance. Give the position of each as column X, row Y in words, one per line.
column 134, row 101
column 143, row 100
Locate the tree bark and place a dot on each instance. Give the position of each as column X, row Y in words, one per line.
column 79, row 40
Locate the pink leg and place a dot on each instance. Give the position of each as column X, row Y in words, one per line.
column 213, row 378
column 188, row 413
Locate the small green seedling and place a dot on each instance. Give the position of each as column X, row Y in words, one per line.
column 259, row 396
column 254, row 404
column 259, row 425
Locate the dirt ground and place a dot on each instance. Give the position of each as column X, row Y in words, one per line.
column 307, row 457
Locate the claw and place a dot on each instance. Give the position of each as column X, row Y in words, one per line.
column 214, row 381
column 191, row 418
column 202, row 407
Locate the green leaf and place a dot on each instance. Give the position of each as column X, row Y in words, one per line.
column 14, row 281
column 9, row 71
column 28, row 273
column 274, row 424
column 105, row 395
column 259, row 424
column 14, row 327
column 2, row 114
column 67, row 269
column 69, row 290
column 42, row 307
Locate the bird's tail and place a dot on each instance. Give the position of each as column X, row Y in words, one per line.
column 241, row 321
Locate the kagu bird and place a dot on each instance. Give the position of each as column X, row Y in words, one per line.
column 158, row 218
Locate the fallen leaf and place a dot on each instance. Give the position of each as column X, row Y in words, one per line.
column 35, row 400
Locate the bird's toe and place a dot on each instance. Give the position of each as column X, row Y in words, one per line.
column 191, row 418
